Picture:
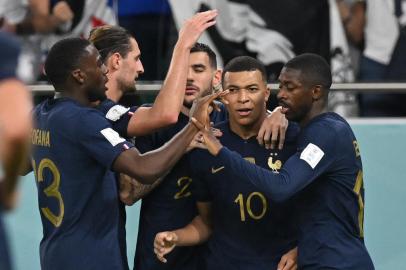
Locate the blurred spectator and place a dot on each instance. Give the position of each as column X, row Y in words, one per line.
column 385, row 20
column 31, row 19
column 87, row 15
column 352, row 14
column 150, row 21
column 15, row 128
column 274, row 31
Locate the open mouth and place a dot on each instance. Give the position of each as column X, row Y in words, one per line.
column 244, row 112
column 285, row 107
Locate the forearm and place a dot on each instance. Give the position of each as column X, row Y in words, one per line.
column 132, row 191
column 15, row 128
column 150, row 166
column 169, row 101
column 14, row 156
column 194, row 233
column 294, row 176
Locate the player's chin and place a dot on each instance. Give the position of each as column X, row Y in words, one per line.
column 188, row 100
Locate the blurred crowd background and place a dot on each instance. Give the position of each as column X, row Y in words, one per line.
column 364, row 40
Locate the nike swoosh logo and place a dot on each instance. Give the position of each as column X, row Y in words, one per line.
column 213, row 170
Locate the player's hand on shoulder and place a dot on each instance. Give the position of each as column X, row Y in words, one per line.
column 273, row 130
column 164, row 243
column 288, row 260
column 193, row 27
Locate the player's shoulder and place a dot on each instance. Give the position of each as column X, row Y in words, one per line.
column 328, row 124
column 292, row 132
column 112, row 110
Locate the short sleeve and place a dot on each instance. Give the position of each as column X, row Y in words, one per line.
column 98, row 137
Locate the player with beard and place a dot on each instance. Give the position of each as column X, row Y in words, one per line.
column 244, row 228
column 75, row 154
column 171, row 204
column 120, row 53
column 325, row 173
column 122, row 57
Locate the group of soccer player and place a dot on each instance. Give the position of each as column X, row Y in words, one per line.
column 217, row 191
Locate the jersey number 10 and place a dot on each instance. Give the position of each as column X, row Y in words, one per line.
column 245, row 205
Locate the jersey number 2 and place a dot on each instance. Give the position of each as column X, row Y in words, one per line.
column 52, row 190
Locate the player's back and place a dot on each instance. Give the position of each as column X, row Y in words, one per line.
column 331, row 207
column 169, row 206
column 250, row 231
column 78, row 197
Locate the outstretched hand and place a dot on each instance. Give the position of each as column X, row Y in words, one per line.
column 195, row 26
column 200, row 109
column 164, row 243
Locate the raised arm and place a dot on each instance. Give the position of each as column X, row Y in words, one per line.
column 169, row 101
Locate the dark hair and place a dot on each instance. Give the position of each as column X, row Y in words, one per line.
column 201, row 47
column 110, row 39
column 314, row 69
column 244, row 63
column 63, row 58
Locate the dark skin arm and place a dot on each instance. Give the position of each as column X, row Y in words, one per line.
column 148, row 167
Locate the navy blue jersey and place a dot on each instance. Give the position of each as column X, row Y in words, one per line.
column 118, row 115
column 327, row 173
column 119, row 118
column 74, row 148
column 250, row 231
column 169, row 206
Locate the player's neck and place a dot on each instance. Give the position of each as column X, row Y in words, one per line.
column 315, row 111
column 248, row 131
column 77, row 96
column 113, row 92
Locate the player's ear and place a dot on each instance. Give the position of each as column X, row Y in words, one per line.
column 317, row 92
column 114, row 61
column 78, row 75
column 217, row 80
column 267, row 92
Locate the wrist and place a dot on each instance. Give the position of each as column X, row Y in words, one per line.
column 181, row 46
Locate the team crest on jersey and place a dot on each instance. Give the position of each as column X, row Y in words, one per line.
column 116, row 112
column 276, row 164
